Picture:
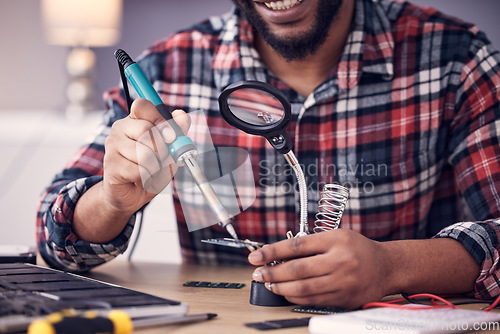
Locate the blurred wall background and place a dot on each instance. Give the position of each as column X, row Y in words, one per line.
column 36, row 141
column 33, row 74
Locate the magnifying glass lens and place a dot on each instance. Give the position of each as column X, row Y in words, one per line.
column 255, row 106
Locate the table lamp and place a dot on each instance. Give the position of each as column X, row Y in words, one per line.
column 81, row 25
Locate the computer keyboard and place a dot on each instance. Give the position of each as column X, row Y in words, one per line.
column 29, row 291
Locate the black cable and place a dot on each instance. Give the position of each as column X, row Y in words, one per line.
column 407, row 297
column 125, row 86
column 139, row 221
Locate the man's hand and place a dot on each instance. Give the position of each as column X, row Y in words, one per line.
column 336, row 268
column 137, row 166
column 342, row 268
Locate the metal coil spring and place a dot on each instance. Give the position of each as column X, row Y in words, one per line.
column 331, row 205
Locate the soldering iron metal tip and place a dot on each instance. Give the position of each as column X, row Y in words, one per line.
column 230, row 229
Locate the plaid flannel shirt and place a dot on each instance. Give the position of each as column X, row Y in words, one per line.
column 409, row 119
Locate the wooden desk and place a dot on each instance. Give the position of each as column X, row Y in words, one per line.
column 231, row 305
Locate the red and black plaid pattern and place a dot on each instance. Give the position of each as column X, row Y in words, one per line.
column 409, row 120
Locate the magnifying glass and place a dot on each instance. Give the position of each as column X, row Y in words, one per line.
column 260, row 109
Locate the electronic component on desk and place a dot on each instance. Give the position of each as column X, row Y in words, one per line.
column 278, row 324
column 317, row 309
column 222, row 285
column 397, row 320
column 233, row 243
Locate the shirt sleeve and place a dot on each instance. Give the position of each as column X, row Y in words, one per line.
column 474, row 146
column 481, row 239
column 57, row 243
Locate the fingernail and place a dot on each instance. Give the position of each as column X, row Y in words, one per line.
column 255, row 257
column 268, row 286
column 167, row 133
column 257, row 275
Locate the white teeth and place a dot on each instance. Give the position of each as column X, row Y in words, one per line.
column 282, row 5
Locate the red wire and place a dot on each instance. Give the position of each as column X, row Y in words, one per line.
column 492, row 306
column 446, row 303
column 423, row 307
column 433, row 299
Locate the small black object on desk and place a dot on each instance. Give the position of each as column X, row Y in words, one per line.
column 261, row 296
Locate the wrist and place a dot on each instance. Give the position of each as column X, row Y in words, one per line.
column 394, row 262
column 116, row 203
column 441, row 266
column 95, row 220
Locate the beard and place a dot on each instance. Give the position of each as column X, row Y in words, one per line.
column 298, row 46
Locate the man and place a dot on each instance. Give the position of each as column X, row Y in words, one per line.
column 398, row 102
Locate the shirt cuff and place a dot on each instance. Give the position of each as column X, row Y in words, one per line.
column 81, row 256
column 63, row 249
column 481, row 240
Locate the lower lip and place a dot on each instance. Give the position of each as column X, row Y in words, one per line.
column 283, row 16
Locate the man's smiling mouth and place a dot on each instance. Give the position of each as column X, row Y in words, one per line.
column 282, row 4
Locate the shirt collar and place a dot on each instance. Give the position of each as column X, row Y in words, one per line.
column 369, row 48
column 235, row 58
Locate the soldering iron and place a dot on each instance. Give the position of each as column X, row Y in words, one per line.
column 182, row 149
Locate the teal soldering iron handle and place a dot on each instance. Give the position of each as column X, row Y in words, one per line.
column 182, row 149
column 143, row 87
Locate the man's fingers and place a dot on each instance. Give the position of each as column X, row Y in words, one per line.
column 296, row 269
column 290, row 248
column 145, row 130
column 305, row 287
column 156, row 183
column 121, row 171
column 334, row 299
column 145, row 110
column 323, row 290
column 153, row 140
column 156, row 165
column 181, row 119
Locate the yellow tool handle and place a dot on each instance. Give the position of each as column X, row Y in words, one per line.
column 116, row 322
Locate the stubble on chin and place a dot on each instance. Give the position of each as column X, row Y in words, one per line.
column 299, row 46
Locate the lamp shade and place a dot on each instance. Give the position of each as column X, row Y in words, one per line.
column 92, row 23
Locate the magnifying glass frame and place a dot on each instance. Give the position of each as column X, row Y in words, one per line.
column 275, row 133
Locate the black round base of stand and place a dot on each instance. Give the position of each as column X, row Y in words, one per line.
column 261, row 296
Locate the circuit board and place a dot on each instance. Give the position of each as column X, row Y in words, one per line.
column 233, row 243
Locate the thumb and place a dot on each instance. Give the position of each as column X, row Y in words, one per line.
column 182, row 119
column 145, row 110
